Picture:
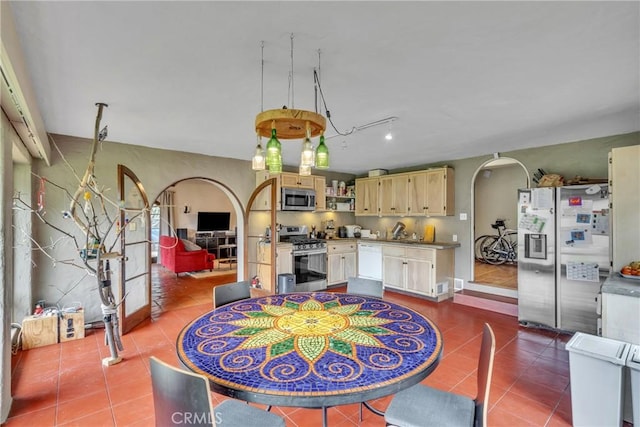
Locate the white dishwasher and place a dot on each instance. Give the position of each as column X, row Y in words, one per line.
column 370, row 260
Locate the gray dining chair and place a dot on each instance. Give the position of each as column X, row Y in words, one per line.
column 421, row 405
column 362, row 286
column 182, row 398
column 231, row 292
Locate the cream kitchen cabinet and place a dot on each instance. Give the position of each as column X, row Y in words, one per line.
column 262, row 202
column 289, row 180
column 367, row 196
column 440, row 195
column 393, row 195
column 341, row 261
column 292, row 180
column 320, row 183
column 431, row 192
column 424, row 271
column 624, row 196
column 283, row 264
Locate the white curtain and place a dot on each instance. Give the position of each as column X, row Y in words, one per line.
column 167, row 213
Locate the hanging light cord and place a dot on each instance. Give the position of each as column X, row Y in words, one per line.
column 290, row 100
column 316, row 79
column 262, row 77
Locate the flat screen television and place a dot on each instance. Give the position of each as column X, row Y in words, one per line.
column 213, row 221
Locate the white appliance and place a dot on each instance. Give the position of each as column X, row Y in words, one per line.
column 563, row 255
column 370, row 261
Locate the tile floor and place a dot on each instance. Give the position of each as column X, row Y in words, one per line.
column 65, row 384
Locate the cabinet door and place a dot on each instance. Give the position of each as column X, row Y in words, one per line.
column 335, row 272
column 308, row 182
column 393, row 271
column 350, row 265
column 625, row 198
column 385, row 196
column 289, row 180
column 400, row 194
column 440, row 192
column 292, row 180
column 321, row 201
column 367, row 196
column 420, row 276
column 417, row 194
column 262, row 202
column 284, row 259
column 393, row 194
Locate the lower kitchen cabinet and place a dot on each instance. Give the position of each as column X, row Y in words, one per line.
column 341, row 261
column 422, row 271
column 284, row 263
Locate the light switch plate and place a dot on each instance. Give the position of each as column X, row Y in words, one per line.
column 463, row 216
column 455, row 237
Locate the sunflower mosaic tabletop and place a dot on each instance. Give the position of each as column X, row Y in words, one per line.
column 311, row 349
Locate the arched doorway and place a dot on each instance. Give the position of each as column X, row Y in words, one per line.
column 175, row 213
column 494, row 196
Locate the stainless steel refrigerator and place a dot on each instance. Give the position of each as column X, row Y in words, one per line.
column 563, row 255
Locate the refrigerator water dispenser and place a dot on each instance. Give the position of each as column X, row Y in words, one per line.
column 535, row 246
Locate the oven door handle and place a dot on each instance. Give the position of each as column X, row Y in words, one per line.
column 318, row 252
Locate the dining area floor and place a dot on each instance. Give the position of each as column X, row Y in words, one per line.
column 66, row 384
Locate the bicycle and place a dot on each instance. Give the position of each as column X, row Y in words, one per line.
column 498, row 249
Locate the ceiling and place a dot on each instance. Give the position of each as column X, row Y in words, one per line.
column 463, row 78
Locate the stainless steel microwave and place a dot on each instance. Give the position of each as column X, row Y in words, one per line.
column 297, row 199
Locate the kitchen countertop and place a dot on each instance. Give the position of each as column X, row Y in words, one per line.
column 616, row 284
column 432, row 245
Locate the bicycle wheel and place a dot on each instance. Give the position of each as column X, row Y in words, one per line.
column 494, row 250
column 478, row 247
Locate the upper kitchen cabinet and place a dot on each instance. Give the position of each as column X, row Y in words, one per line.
column 422, row 193
column 431, row 192
column 367, row 196
column 624, row 188
column 293, row 180
column 320, row 183
column 262, row 201
column 440, row 194
column 393, row 195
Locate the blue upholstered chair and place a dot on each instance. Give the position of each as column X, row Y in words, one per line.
column 184, row 398
column 421, row 405
column 362, row 286
column 231, row 292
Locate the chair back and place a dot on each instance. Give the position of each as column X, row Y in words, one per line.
column 178, row 394
column 224, row 294
column 485, row 373
column 362, row 286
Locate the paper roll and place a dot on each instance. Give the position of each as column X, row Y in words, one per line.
column 429, row 233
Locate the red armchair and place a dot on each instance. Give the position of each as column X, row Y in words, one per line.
column 174, row 256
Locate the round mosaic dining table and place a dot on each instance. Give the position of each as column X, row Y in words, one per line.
column 311, row 350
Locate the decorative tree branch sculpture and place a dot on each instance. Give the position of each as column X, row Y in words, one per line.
column 89, row 209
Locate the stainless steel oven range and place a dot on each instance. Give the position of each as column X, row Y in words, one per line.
column 309, row 258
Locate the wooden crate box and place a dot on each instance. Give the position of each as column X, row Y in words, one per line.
column 71, row 326
column 39, row 331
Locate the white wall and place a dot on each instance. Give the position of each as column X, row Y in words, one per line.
column 200, row 196
column 157, row 170
column 496, row 197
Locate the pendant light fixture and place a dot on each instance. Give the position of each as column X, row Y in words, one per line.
column 258, row 161
column 289, row 123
